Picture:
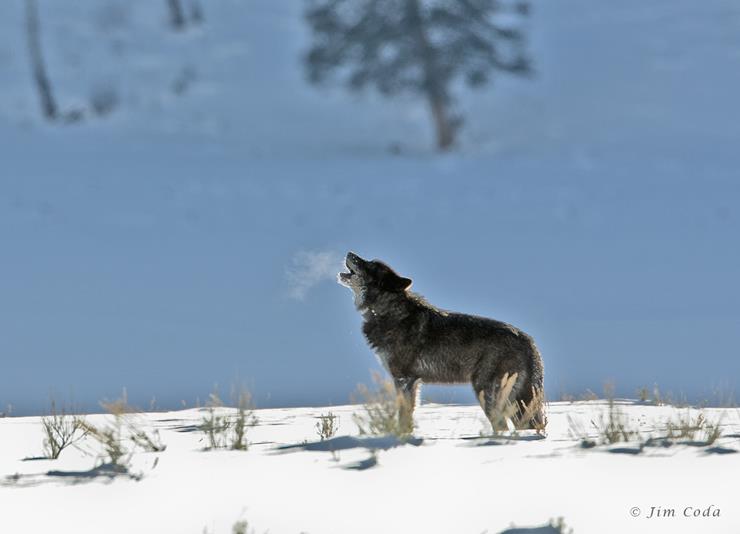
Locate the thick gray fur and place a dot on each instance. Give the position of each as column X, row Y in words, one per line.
column 417, row 342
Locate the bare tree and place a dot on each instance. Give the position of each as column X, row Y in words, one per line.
column 43, row 85
column 196, row 12
column 415, row 46
column 177, row 16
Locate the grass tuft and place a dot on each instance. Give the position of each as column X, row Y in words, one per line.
column 521, row 416
column 698, row 428
column 385, row 412
column 61, row 430
column 123, row 435
column 244, row 419
column 222, row 430
column 613, row 426
column 327, row 426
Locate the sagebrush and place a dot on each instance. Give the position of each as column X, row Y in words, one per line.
column 120, row 437
column 221, row 429
column 327, row 426
column 384, row 411
column 61, row 430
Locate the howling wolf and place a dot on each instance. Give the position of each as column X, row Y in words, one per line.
column 417, row 342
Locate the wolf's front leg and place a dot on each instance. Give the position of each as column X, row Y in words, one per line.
column 406, row 389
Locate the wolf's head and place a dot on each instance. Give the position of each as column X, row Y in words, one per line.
column 369, row 280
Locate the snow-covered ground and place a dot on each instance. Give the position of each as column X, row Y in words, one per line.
column 449, row 480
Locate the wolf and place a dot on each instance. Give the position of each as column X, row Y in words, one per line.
column 420, row 343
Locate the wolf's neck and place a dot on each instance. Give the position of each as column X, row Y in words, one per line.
column 394, row 307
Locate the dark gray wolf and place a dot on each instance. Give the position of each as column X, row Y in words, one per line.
column 417, row 342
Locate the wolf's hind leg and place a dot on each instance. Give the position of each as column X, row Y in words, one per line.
column 497, row 393
column 407, row 389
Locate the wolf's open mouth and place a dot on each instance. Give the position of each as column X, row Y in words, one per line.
column 352, row 263
column 346, row 276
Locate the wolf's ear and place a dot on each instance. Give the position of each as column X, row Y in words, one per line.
column 401, row 283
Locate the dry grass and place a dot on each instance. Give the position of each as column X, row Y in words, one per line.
column 241, row 527
column 327, row 426
column 652, row 395
column 588, row 395
column 521, row 416
column 224, row 431
column 61, row 430
column 127, row 415
column 244, row 419
column 121, row 437
column 215, row 424
column 613, row 426
column 110, row 437
column 698, row 428
column 532, row 415
column 385, row 412
column 502, row 410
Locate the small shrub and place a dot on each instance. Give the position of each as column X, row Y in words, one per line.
column 223, row 431
column 669, row 399
column 577, row 431
column 657, row 398
column 120, row 438
column 712, row 432
column 240, row 527
column 150, row 442
column 327, row 426
column 693, row 429
column 589, row 395
column 110, row 437
column 645, row 394
column 215, row 426
column 121, row 410
column 611, row 427
column 614, row 427
column 60, row 431
column 385, row 412
column 685, row 427
column 244, row 419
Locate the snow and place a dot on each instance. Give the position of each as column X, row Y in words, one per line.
column 449, row 480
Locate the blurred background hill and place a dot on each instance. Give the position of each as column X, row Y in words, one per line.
column 177, row 221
